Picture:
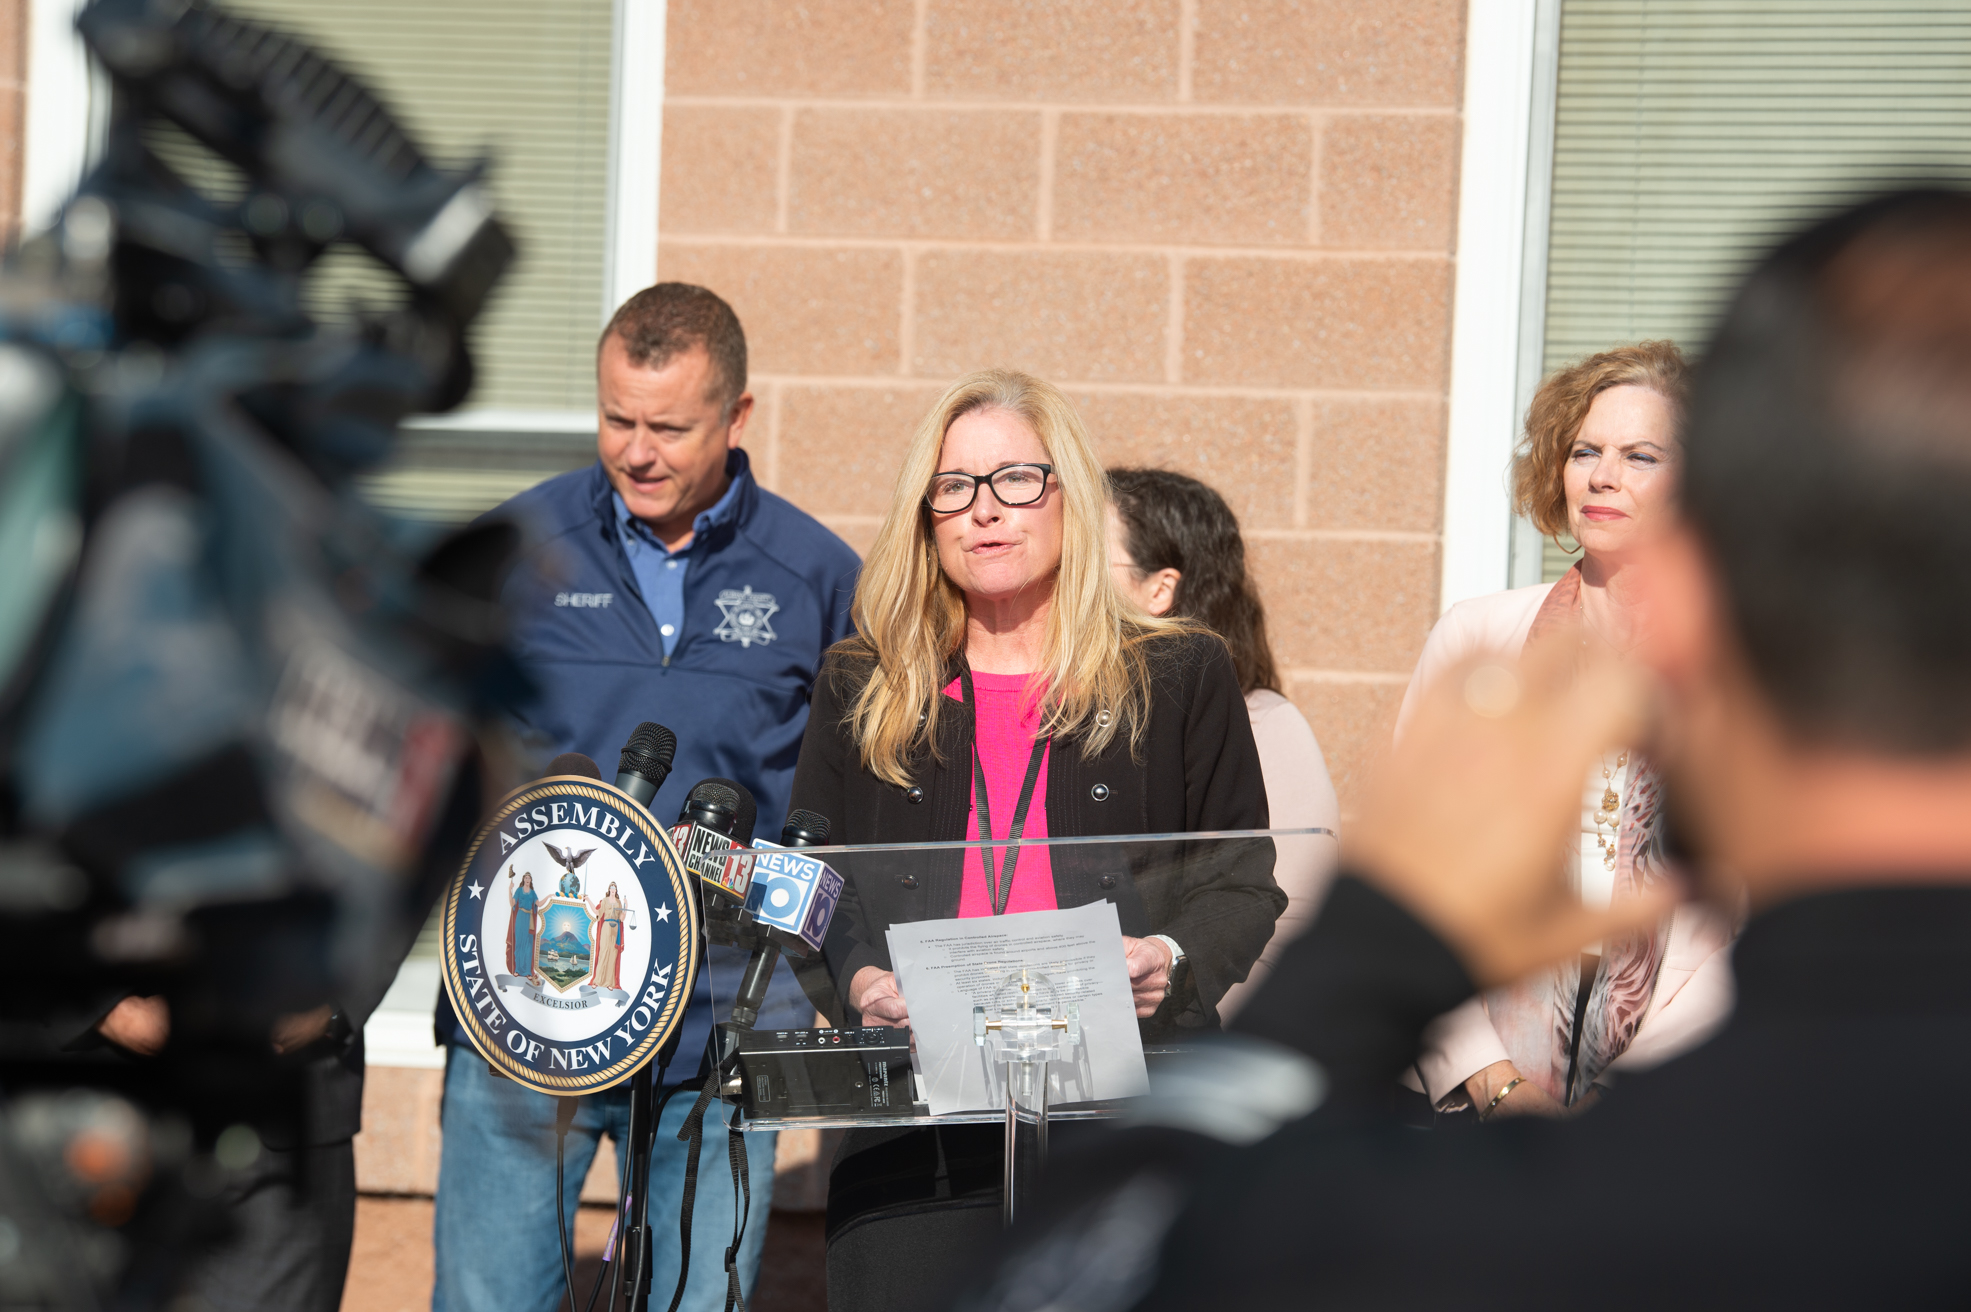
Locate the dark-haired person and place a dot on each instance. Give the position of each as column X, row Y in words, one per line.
column 662, row 584
column 1804, row 676
column 1175, row 549
column 1599, row 464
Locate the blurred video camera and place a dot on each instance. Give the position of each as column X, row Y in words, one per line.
column 245, row 729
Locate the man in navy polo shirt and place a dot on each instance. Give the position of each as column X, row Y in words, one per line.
column 663, row 584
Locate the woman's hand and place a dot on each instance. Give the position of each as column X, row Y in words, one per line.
column 1149, row 964
column 1526, row 1099
column 873, row 992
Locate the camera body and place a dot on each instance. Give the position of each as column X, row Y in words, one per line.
column 245, row 723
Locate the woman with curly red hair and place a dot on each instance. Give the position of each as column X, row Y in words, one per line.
column 1599, row 465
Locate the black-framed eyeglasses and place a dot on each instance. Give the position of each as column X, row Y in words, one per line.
column 1013, row 485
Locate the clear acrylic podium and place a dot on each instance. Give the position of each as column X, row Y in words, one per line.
column 1024, row 1020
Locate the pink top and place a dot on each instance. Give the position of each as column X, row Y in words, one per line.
column 1004, row 730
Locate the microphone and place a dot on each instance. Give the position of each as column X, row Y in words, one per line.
column 574, row 763
column 725, row 805
column 804, row 829
column 717, row 816
column 791, row 900
column 646, row 761
column 712, row 804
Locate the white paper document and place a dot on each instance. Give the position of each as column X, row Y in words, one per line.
column 946, row 967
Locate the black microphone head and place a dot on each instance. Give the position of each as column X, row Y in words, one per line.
column 749, row 813
column 648, row 753
column 713, row 804
column 804, row 829
column 575, row 763
column 733, row 803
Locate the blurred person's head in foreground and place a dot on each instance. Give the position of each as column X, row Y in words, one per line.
column 1175, row 549
column 1811, row 616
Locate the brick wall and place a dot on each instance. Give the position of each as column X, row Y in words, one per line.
column 13, row 111
column 1224, row 226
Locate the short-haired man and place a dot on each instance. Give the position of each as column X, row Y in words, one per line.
column 664, row 584
column 1809, row 629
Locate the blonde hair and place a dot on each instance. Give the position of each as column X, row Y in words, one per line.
column 910, row 617
column 1560, row 407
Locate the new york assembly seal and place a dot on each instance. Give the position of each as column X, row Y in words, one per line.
column 570, row 937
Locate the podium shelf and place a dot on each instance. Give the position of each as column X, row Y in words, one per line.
column 1153, row 1056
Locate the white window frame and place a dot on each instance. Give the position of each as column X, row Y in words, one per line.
column 1498, row 324
column 636, row 143
column 67, row 113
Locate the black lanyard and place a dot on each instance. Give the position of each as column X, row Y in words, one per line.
column 999, row 890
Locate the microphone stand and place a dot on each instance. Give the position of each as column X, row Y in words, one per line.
column 635, row 1239
column 645, row 764
column 634, row 1248
column 646, row 1109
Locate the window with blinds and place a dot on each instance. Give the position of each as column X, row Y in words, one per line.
column 1691, row 135
column 527, row 84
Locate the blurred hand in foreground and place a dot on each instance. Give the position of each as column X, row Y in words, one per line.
column 138, row 1025
column 1467, row 822
column 142, row 1025
column 293, row 1032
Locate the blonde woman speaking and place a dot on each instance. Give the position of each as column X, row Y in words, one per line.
column 1001, row 686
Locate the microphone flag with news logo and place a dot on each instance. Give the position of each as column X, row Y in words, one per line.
column 792, row 896
column 789, row 905
column 718, row 816
column 570, row 935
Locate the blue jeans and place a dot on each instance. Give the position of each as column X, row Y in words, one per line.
column 494, row 1234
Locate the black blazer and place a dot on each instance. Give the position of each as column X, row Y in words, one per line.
column 1198, row 769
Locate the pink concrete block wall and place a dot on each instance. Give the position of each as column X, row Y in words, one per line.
column 1225, row 228
column 13, row 111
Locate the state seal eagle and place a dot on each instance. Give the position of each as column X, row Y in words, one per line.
column 570, row 861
